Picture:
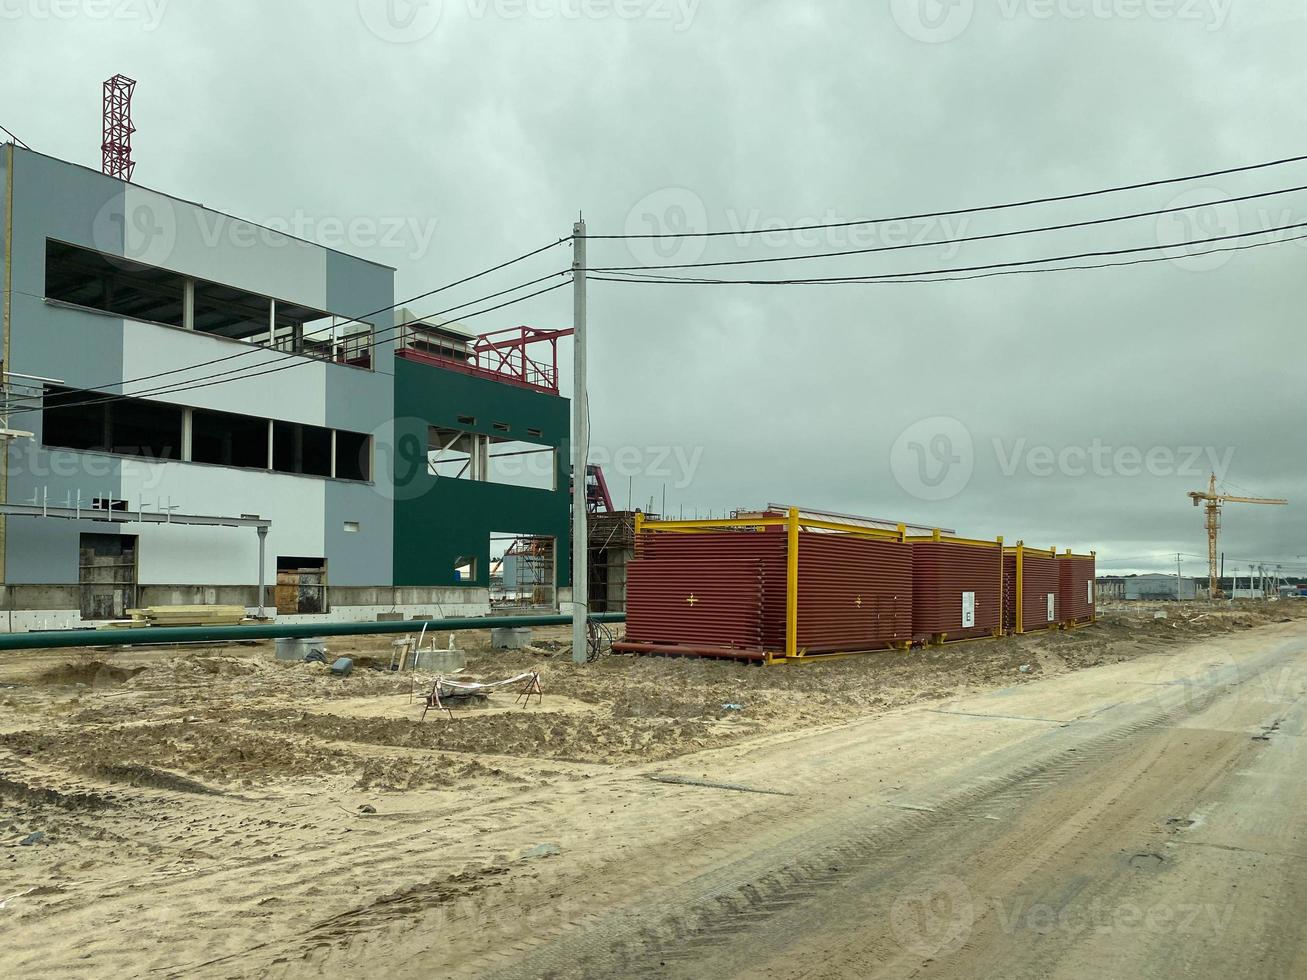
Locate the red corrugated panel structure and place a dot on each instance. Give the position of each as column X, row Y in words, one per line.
column 694, row 590
column 854, row 593
column 724, row 592
column 1076, row 587
column 1040, row 583
column 957, row 589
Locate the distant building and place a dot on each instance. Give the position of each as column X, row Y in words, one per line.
column 1161, row 587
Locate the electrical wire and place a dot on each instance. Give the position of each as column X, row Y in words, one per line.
column 328, row 330
column 951, row 241
column 917, row 276
column 1079, row 195
column 297, row 360
column 8, row 132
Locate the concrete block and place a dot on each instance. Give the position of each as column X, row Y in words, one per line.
column 292, row 648
column 441, row 661
column 510, row 638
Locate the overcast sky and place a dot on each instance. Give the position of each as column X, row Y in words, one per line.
column 1058, row 408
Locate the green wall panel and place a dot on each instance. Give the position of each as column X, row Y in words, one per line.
column 438, row 520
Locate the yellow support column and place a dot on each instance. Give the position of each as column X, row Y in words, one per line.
column 998, row 630
column 1021, row 551
column 792, row 585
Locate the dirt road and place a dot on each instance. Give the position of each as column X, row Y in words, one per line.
column 1138, row 819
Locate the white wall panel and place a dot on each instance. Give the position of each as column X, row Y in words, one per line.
column 162, row 231
column 298, row 394
column 181, row 555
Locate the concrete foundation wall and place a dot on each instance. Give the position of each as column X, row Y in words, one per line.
column 53, row 607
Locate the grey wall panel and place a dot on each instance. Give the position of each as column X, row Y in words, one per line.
column 53, row 199
column 356, row 288
column 79, row 348
column 43, row 551
column 364, row 557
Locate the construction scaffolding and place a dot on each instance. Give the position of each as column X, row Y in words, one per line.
column 611, row 538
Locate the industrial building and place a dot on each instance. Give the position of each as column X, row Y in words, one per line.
column 1163, row 587
column 202, row 410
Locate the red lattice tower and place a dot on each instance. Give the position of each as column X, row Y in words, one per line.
column 118, row 128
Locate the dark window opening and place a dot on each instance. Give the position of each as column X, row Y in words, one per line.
column 229, row 440
column 302, row 449
column 72, row 419
column 231, row 313
column 501, row 426
column 112, row 284
column 353, row 456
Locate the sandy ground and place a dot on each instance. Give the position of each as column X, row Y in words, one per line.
column 213, row 812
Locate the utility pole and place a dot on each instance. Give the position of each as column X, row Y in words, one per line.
column 1179, row 577
column 580, row 452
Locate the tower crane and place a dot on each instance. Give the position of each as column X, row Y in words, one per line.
column 1214, row 501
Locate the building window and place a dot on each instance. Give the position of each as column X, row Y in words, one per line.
column 232, row 313
column 301, row 449
column 113, row 285
column 229, row 440
column 72, row 419
column 353, row 456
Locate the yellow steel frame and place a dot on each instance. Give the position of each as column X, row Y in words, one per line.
column 793, row 522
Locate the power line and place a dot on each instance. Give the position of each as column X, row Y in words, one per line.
column 296, row 361
column 358, row 319
column 10, row 134
column 952, row 241
column 1079, row 195
column 891, row 277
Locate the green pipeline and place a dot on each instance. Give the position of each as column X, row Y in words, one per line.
column 235, row 634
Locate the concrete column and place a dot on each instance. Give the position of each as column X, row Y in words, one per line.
column 187, row 446
column 188, row 305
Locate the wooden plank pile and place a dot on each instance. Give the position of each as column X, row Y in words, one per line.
column 185, row 616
